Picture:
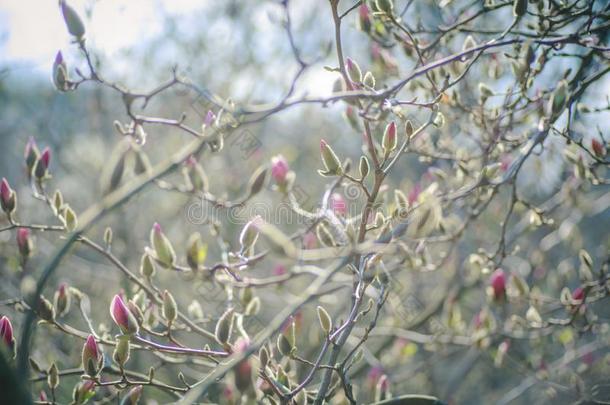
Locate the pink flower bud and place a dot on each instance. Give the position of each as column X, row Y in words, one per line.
column 45, row 158
column 364, row 16
column 374, row 374
column 598, row 148
column 279, row 270
column 42, row 397
column 505, row 162
column 323, row 144
column 30, row 154
column 338, row 204
column 243, row 370
column 279, row 169
column 133, row 396
column 383, row 383
column 414, row 194
column 62, row 300
column 157, row 228
column 498, row 283
column 210, row 117
column 6, row 333
column 59, row 59
column 82, row 391
column 310, row 240
column 31, row 146
column 389, row 141
column 121, row 315
column 163, row 247
column 191, row 161
column 5, row 191
column 91, row 357
column 227, row 392
column 7, row 197
column 392, row 130
column 24, row 242
column 578, row 294
column 91, row 347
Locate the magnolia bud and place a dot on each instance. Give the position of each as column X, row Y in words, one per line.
column 196, row 175
column 62, row 300
column 491, row 170
column 389, row 141
column 485, row 93
column 533, row 316
column 123, row 317
column 497, row 282
column 210, row 117
column 60, row 80
column 257, row 181
column 598, row 148
column 108, row 237
column 253, row 307
column 31, row 153
column 578, row 294
column 353, row 70
column 133, row 396
column 73, row 21
column 58, row 202
column 558, row 99
column 92, row 358
column 196, row 251
column 8, row 198
column 364, row 17
column 286, row 341
column 409, row 129
column 83, row 392
column 170, row 310
column 249, row 234
column 46, row 310
column 279, row 169
column 136, row 311
column 519, row 8
column 326, row 321
column 331, row 162
column 243, row 369
column 364, row 167
column 53, row 376
column 469, row 43
column 352, row 118
column 121, row 351
column 42, row 165
column 369, row 80
column 282, row 377
column 6, row 335
column 224, row 327
column 163, row 247
column 147, row 267
column 69, row 219
column 382, row 389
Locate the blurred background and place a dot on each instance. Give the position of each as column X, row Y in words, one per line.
column 240, row 50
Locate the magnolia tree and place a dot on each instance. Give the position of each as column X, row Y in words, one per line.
column 457, row 252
